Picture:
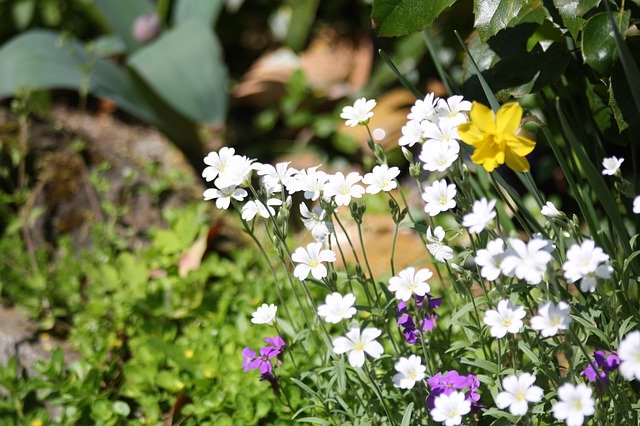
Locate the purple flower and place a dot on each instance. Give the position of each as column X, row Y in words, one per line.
column 450, row 381
column 429, row 322
column 247, row 356
column 603, row 364
column 276, row 342
column 273, row 381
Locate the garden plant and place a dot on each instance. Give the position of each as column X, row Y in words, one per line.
column 264, row 298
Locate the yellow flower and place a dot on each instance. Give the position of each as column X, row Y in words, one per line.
column 494, row 137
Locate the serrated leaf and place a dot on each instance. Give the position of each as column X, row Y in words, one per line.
column 394, row 18
column 495, row 15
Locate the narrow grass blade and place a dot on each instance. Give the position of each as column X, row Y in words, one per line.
column 495, row 105
column 444, row 77
column 406, row 83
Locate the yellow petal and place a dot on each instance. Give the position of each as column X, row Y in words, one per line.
column 489, row 156
column 508, row 118
column 470, row 134
column 519, row 145
column 517, row 163
column 482, row 117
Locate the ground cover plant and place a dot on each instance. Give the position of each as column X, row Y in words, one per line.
column 515, row 172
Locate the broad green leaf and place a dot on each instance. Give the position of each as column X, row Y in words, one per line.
column 394, row 18
column 495, row 15
column 206, row 11
column 185, row 69
column 571, row 12
column 598, row 41
column 23, row 13
column 121, row 15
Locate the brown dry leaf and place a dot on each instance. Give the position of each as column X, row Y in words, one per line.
column 390, row 114
column 336, row 65
column 265, row 81
column 192, row 258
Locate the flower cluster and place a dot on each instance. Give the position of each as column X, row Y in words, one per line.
column 507, row 265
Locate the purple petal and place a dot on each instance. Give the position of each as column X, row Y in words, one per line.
column 276, row 341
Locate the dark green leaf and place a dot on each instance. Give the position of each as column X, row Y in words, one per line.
column 393, row 18
column 598, row 41
column 493, row 16
column 302, row 18
column 184, row 68
column 572, row 11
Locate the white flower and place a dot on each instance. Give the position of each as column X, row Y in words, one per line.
column 586, row 262
column 574, row 404
column 423, row 109
column 490, row 258
column 410, row 370
column 337, row 307
column 483, row 212
column 439, row 197
column 217, row 162
column 357, row 344
column 257, row 207
column 378, row 134
column 505, row 319
column 629, row 353
column 359, row 113
column 439, row 156
column 551, row 318
column 342, row 188
column 274, row 177
column 265, row 314
column 237, row 172
column 518, row 392
column 550, row 210
column 453, row 110
column 411, row 134
column 381, row 178
column 311, row 181
column 316, row 222
column 223, row 196
column 636, row 205
column 449, row 409
column 436, row 247
column 310, row 259
column 409, row 282
column 611, row 165
column 527, row 260
column 443, row 131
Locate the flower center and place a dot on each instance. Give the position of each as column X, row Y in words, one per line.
column 520, row 395
column 359, row 346
column 412, row 375
column 313, row 263
column 577, row 405
column 506, row 322
column 556, row 321
column 453, row 413
column 344, row 190
column 443, row 200
column 636, row 356
column 411, row 285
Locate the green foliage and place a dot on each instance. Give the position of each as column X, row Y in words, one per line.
column 174, row 82
column 390, row 16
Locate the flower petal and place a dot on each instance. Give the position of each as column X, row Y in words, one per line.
column 508, row 118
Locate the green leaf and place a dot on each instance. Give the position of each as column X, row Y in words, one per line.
column 571, row 12
column 598, row 41
column 406, row 418
column 303, row 16
column 121, row 14
column 394, row 18
column 184, row 68
column 23, row 13
column 483, row 364
column 493, row 16
column 121, row 408
column 206, row 11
